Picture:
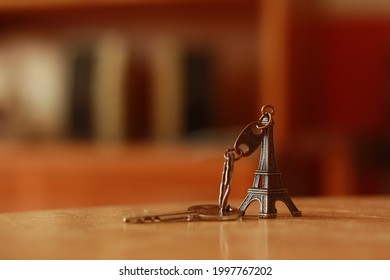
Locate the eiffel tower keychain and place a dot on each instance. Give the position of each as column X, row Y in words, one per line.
column 267, row 186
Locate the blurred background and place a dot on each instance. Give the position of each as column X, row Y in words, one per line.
column 135, row 101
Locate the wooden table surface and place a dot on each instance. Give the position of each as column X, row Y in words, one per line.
column 330, row 228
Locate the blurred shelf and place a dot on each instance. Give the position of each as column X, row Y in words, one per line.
column 35, row 176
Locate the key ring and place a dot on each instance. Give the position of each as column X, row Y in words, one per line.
column 265, row 107
column 237, row 153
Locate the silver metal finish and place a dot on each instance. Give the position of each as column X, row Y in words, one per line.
column 211, row 212
column 206, row 212
column 267, row 186
column 165, row 217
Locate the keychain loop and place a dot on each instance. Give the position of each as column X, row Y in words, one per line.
column 237, row 154
column 260, row 124
column 265, row 107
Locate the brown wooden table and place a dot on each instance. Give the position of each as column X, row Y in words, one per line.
column 330, row 228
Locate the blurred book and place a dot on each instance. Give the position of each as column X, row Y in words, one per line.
column 138, row 91
column 167, row 90
column 81, row 124
column 109, row 101
column 198, row 87
column 33, row 88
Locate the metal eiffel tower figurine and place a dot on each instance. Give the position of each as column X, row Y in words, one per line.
column 267, row 186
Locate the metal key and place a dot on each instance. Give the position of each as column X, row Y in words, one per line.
column 206, row 212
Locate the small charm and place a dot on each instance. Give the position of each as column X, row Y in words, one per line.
column 267, row 186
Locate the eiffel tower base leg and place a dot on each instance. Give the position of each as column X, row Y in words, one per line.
column 267, row 199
